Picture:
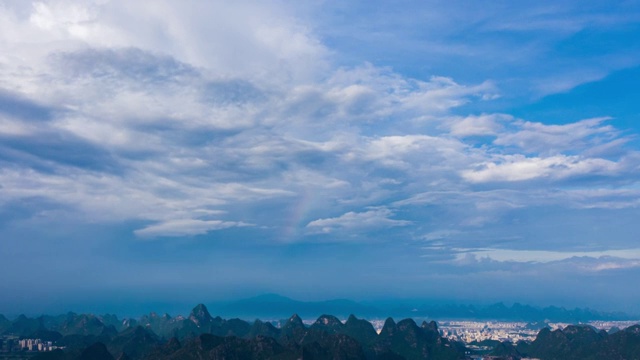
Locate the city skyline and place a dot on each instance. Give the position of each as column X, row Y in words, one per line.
column 209, row 151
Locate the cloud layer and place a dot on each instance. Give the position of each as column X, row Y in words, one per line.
column 183, row 121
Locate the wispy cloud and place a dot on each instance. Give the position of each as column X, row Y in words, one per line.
column 548, row 256
column 186, row 227
column 483, row 125
column 371, row 219
column 520, row 168
column 535, row 137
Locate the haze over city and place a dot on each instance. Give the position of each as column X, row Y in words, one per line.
column 159, row 155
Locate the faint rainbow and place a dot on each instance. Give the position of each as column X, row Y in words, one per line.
column 295, row 219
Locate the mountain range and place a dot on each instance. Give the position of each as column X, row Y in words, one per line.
column 273, row 306
column 203, row 336
column 582, row 342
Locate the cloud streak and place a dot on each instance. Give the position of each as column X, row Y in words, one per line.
column 185, row 227
column 368, row 220
column 520, row 168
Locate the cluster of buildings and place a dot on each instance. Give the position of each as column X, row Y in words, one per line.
column 477, row 331
column 470, row 331
column 13, row 344
column 36, row 345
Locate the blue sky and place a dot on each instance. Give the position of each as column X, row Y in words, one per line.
column 202, row 151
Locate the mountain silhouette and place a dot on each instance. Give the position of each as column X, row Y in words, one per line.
column 584, row 342
column 202, row 336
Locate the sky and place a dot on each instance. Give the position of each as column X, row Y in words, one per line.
column 182, row 152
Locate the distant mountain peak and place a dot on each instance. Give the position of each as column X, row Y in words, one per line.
column 328, row 320
column 635, row 329
column 389, row 327
column 293, row 325
column 431, row 326
column 389, row 322
column 200, row 308
column 200, row 315
column 295, row 319
column 407, row 322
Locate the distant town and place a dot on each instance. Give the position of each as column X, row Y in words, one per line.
column 12, row 343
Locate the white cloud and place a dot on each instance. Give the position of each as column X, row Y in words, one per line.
column 521, row 168
column 547, row 256
column 615, row 265
column 483, row 125
column 186, row 227
column 602, row 198
column 413, row 151
column 566, row 81
column 440, row 234
column 583, row 260
column 13, row 127
column 376, row 218
column 246, row 38
column 551, row 139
